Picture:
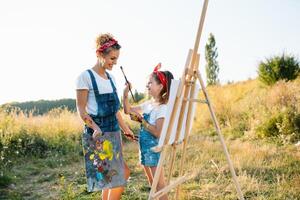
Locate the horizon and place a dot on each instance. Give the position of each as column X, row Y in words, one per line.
column 74, row 98
column 46, row 45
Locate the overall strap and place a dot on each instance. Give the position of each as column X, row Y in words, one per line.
column 95, row 87
column 114, row 89
column 111, row 82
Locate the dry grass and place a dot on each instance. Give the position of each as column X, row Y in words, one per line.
column 265, row 170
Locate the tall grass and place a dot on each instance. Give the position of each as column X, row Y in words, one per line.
column 245, row 108
column 27, row 135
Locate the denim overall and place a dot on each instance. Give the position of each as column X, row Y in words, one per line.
column 103, row 157
column 147, row 141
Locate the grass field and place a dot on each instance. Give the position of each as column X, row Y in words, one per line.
column 41, row 156
column 264, row 171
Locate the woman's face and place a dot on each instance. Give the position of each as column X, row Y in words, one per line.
column 154, row 87
column 110, row 59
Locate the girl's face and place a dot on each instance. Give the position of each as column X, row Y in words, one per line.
column 154, row 88
column 109, row 60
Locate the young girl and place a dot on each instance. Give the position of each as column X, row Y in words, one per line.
column 98, row 106
column 154, row 112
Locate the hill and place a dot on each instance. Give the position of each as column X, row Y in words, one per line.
column 40, row 107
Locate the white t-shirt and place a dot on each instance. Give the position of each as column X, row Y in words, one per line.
column 84, row 81
column 156, row 110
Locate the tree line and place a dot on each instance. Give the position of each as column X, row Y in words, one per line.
column 39, row 107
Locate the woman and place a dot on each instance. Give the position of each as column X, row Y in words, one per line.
column 98, row 106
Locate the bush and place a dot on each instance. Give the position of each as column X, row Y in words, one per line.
column 26, row 144
column 283, row 67
column 5, row 180
column 285, row 124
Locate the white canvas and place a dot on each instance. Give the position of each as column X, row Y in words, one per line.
column 181, row 137
column 170, row 106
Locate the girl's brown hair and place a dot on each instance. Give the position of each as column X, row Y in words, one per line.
column 165, row 92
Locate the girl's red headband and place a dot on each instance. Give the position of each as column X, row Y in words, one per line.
column 107, row 44
column 161, row 76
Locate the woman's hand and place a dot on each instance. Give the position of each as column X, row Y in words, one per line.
column 88, row 120
column 90, row 123
column 129, row 134
column 97, row 132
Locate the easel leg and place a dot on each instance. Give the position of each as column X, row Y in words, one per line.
column 188, row 125
column 214, row 118
column 157, row 173
column 179, row 125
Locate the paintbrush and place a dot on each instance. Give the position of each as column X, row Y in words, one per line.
column 127, row 83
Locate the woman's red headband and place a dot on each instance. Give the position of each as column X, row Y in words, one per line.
column 106, row 45
column 161, row 76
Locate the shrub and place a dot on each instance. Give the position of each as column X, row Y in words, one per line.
column 284, row 67
column 5, row 180
column 285, row 124
column 25, row 144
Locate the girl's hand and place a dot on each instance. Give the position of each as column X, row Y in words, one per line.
column 126, row 89
column 136, row 117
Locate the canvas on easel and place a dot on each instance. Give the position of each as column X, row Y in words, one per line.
column 178, row 123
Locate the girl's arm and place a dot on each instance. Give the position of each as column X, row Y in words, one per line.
column 154, row 129
column 81, row 101
column 126, row 105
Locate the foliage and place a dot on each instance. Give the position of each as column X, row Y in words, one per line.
column 212, row 66
column 284, row 67
column 138, row 96
column 22, row 135
column 40, row 107
column 248, row 110
column 282, row 124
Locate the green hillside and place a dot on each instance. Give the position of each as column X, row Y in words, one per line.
column 40, row 107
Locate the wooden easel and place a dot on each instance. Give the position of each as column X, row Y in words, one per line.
column 187, row 88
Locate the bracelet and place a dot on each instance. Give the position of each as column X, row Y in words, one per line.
column 87, row 121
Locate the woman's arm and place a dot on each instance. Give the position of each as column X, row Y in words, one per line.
column 154, row 129
column 81, row 101
column 122, row 124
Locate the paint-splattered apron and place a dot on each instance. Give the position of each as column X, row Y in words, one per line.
column 103, row 157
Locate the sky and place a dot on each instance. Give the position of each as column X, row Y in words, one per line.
column 46, row 44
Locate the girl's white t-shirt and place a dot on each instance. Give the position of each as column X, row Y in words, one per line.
column 84, row 81
column 156, row 110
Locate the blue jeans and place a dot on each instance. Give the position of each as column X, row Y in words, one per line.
column 147, row 141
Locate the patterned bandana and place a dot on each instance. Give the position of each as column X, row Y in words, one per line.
column 161, row 76
column 106, row 45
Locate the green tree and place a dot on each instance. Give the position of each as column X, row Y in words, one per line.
column 212, row 66
column 138, row 96
column 284, row 67
column 39, row 107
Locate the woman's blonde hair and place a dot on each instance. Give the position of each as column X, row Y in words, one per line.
column 101, row 39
